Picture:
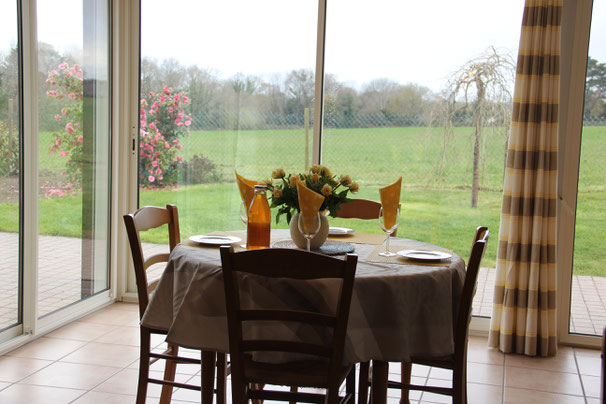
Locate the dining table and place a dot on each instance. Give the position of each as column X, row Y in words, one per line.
column 400, row 307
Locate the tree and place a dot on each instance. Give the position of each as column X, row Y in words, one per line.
column 595, row 89
column 376, row 94
column 482, row 87
column 300, row 87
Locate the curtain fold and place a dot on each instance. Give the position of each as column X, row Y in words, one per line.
column 524, row 304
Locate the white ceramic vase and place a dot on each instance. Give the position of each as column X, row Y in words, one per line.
column 299, row 239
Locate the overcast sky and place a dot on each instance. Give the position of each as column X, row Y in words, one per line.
column 407, row 41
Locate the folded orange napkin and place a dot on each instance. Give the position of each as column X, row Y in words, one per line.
column 309, row 203
column 390, row 200
column 247, row 189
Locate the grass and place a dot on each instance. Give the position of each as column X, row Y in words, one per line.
column 435, row 208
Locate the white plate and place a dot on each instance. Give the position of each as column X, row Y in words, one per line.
column 214, row 239
column 424, row 255
column 339, row 231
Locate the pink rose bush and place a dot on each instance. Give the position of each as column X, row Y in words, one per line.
column 66, row 83
column 163, row 122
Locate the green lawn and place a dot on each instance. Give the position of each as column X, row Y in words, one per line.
column 435, row 208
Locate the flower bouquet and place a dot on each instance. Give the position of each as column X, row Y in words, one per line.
column 319, row 179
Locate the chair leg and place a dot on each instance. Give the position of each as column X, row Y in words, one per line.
column 170, row 369
column 221, row 376
column 459, row 384
column 363, row 383
column 143, row 365
column 405, row 372
column 350, row 384
column 293, row 389
column 208, row 376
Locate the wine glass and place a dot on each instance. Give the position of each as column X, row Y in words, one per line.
column 388, row 231
column 244, row 217
column 315, row 228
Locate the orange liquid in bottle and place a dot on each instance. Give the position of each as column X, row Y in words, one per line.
column 259, row 218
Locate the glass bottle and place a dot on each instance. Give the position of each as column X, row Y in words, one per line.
column 259, row 218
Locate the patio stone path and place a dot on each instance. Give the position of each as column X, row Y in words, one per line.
column 59, row 284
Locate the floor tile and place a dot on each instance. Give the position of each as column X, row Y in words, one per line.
column 112, row 317
column 542, row 380
column 592, row 385
column 82, row 331
column 589, row 365
column 520, row 396
column 124, row 335
column 47, row 348
column 484, row 393
column 125, row 382
column 483, row 373
column 22, row 393
column 13, row 369
column 71, row 375
column 479, row 351
column 95, row 353
column 4, row 385
column 94, row 397
column 564, row 361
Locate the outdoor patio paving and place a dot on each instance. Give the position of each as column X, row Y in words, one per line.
column 59, row 284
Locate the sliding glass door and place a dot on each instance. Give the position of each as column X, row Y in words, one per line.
column 73, row 151
column 10, row 168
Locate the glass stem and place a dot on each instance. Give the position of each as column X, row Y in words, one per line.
column 308, row 243
column 387, row 243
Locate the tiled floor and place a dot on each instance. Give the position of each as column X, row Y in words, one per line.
column 94, row 360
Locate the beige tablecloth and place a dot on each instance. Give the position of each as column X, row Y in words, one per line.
column 398, row 309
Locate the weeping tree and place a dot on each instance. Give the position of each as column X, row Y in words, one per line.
column 481, row 90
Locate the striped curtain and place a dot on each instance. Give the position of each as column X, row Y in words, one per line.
column 524, row 308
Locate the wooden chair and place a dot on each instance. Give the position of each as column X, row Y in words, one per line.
column 324, row 369
column 146, row 218
column 364, row 209
column 457, row 362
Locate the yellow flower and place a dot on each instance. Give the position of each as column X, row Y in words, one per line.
column 267, row 182
column 315, row 177
column 326, row 190
column 346, row 180
column 277, row 193
column 278, row 173
column 326, row 171
column 293, row 180
column 315, row 169
column 354, row 187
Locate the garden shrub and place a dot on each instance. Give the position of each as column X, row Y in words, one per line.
column 199, row 170
column 9, row 150
column 161, row 127
column 66, row 84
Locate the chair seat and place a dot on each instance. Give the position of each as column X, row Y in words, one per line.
column 307, row 373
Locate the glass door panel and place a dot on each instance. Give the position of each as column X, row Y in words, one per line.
column 10, row 168
column 394, row 106
column 588, row 304
column 74, row 154
column 234, row 92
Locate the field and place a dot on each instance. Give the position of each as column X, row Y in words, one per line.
column 435, row 200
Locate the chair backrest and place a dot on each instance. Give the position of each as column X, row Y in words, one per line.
column 471, row 276
column 359, row 209
column 143, row 219
column 283, row 265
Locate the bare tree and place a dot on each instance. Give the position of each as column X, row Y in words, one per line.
column 481, row 88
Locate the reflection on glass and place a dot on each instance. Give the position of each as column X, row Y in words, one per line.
column 236, row 92
column 588, row 307
column 394, row 106
column 10, row 304
column 74, row 143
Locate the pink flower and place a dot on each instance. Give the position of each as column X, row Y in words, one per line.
column 57, row 117
column 80, row 139
column 69, row 128
column 187, row 123
column 151, row 178
column 63, row 154
column 155, row 163
column 64, row 111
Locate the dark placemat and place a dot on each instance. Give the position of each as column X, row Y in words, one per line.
column 328, row 248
